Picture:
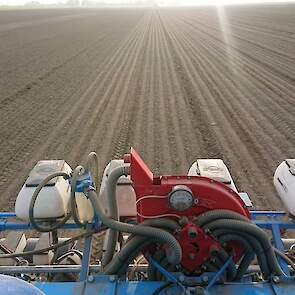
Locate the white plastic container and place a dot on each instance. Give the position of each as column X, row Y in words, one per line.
column 126, row 197
column 214, row 169
column 84, row 207
column 16, row 243
column 284, row 182
column 43, row 258
column 53, row 200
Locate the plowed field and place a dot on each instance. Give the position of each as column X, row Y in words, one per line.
column 177, row 84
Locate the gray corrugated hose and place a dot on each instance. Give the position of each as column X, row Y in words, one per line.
column 92, row 162
column 74, row 210
column 257, row 248
column 248, row 257
column 174, row 252
column 213, row 215
column 208, row 218
column 52, row 226
column 111, row 187
column 128, row 252
column 242, row 228
column 135, row 243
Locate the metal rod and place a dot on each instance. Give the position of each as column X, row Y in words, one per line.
column 60, row 269
column 279, row 245
column 267, row 224
column 219, row 273
column 77, row 268
column 267, row 213
column 7, row 214
column 86, row 258
column 12, row 225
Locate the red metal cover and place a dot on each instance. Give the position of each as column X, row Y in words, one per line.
column 152, row 201
column 209, row 194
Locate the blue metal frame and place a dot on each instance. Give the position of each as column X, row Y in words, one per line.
column 219, row 274
column 89, row 285
column 271, row 218
column 170, row 277
column 110, row 285
column 86, row 259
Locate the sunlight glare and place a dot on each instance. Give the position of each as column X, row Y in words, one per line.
column 226, row 35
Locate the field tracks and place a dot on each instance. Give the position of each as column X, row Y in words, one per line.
column 177, row 84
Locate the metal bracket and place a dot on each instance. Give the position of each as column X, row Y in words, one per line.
column 219, row 273
column 167, row 274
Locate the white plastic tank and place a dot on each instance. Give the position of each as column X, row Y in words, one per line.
column 126, row 197
column 84, row 208
column 53, row 199
column 284, row 182
column 214, row 169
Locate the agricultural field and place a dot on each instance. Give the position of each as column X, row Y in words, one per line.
column 176, row 84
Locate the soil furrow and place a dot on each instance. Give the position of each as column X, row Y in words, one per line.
column 177, row 84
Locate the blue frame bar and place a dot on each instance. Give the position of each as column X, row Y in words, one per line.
column 219, row 273
column 86, row 259
column 167, row 274
column 265, row 224
column 7, row 214
column 8, row 225
column 268, row 224
column 255, row 213
column 279, row 245
column 273, row 222
column 5, row 224
column 110, row 285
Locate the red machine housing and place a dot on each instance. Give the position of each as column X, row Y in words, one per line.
column 152, row 202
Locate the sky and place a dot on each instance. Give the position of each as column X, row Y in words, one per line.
column 161, row 2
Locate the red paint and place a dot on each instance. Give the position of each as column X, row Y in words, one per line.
column 209, row 195
column 195, row 250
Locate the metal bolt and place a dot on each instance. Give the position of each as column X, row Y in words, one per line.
column 181, row 278
column 183, row 220
column 276, row 279
column 205, row 279
column 199, row 290
column 112, row 278
column 90, row 279
column 213, row 249
column 192, row 233
column 191, row 256
column 203, row 267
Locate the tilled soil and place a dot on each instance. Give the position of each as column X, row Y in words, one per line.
column 176, row 84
